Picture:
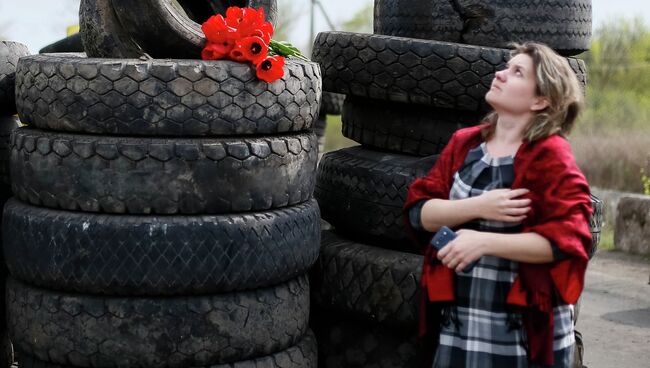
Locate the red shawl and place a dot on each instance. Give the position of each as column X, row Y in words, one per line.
column 560, row 211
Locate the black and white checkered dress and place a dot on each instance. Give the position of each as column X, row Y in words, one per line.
column 479, row 330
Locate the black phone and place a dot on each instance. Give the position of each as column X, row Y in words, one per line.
column 442, row 238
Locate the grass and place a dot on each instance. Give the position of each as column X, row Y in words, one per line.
column 606, row 240
column 334, row 139
column 613, row 158
column 611, row 141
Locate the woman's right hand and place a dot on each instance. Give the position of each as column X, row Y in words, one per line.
column 503, row 205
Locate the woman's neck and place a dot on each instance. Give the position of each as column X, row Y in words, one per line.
column 509, row 130
column 508, row 136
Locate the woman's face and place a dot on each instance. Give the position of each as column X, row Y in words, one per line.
column 513, row 89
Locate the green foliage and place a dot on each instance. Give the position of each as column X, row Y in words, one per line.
column 607, row 240
column 619, row 51
column 286, row 49
column 618, row 64
column 612, row 140
column 645, row 180
column 334, row 140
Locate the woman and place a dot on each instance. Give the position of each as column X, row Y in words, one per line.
column 520, row 207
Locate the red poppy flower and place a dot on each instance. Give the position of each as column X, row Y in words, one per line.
column 215, row 28
column 264, row 31
column 216, row 51
column 254, row 49
column 237, row 54
column 236, row 16
column 270, row 69
column 249, row 22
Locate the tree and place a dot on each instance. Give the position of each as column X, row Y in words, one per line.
column 620, row 53
column 618, row 65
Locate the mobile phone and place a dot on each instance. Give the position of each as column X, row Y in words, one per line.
column 442, row 238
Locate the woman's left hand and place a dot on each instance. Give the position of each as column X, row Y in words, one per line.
column 468, row 246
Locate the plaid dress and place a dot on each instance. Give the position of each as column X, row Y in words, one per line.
column 479, row 330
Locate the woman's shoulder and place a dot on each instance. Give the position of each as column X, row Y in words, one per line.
column 551, row 154
column 553, row 147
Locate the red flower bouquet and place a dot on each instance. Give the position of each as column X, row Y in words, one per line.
column 244, row 36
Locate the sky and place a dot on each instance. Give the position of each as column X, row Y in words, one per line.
column 37, row 23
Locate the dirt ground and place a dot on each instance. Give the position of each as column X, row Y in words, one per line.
column 615, row 314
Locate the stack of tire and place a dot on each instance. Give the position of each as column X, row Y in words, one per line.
column 330, row 104
column 408, row 87
column 163, row 214
column 10, row 52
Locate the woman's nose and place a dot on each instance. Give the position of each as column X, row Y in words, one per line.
column 500, row 75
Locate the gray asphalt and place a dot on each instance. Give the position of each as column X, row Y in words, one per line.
column 614, row 317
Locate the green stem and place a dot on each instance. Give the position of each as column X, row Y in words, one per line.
column 286, row 49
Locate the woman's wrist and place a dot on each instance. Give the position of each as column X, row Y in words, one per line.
column 476, row 205
column 488, row 240
column 519, row 247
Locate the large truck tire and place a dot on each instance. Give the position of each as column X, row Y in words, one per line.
column 172, row 29
column 10, row 52
column 102, row 34
column 564, row 25
column 182, row 255
column 414, row 71
column 361, row 193
column 69, row 92
column 108, row 174
column 301, row 355
column 91, row 331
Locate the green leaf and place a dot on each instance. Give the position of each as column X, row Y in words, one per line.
column 286, row 49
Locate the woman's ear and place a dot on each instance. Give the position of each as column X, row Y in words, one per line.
column 539, row 103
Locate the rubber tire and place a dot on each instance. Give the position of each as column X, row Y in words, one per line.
column 163, row 31
column 579, row 351
column 68, row 92
column 7, row 350
column 10, row 52
column 564, row 25
column 88, row 331
column 302, row 355
column 162, row 176
column 7, row 126
column 415, row 71
column 361, row 192
column 367, row 283
column 576, row 310
column 71, row 43
column 403, row 128
column 102, row 34
column 320, row 129
column 595, row 223
column 350, row 343
column 331, row 103
column 182, row 255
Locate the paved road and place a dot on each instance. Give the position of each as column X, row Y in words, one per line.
column 615, row 314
